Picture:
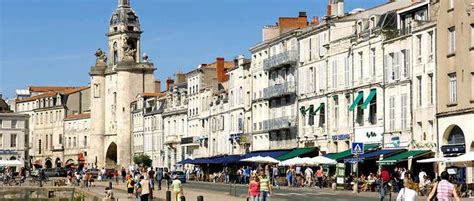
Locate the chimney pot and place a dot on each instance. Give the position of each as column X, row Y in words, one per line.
column 302, row 14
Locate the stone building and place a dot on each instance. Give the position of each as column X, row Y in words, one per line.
column 76, row 139
column 455, row 79
column 13, row 135
column 115, row 83
column 274, row 76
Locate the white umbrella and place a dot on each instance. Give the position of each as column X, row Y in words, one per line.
column 432, row 160
column 321, row 160
column 467, row 157
column 297, row 161
column 261, row 159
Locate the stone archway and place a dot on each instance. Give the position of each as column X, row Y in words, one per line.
column 58, row 162
column 13, row 158
column 48, row 164
column 453, row 135
column 111, row 156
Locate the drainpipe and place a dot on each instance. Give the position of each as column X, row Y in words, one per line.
column 383, row 94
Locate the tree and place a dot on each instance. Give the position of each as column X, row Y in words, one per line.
column 142, row 159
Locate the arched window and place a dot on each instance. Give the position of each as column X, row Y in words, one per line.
column 456, row 136
column 115, row 53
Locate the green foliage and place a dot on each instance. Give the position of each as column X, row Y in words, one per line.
column 142, row 159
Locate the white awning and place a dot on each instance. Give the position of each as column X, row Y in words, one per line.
column 10, row 162
column 467, row 157
column 432, row 160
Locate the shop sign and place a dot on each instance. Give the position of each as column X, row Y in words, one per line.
column 453, row 149
column 341, row 137
column 369, row 135
column 340, row 174
column 309, row 144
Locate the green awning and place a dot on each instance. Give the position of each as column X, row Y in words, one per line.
column 403, row 157
column 369, row 98
column 319, row 108
column 347, row 153
column 296, row 152
column 357, row 100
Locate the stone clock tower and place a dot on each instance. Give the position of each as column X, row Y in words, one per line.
column 116, row 79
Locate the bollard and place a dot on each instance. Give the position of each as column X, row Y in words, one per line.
column 182, row 198
column 51, row 194
column 110, row 185
column 200, row 198
column 168, row 195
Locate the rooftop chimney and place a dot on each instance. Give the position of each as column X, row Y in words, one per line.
column 302, row 14
column 180, row 77
column 157, row 86
column 169, row 83
column 315, row 20
column 328, row 9
column 220, row 70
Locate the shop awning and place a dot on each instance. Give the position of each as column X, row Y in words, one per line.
column 374, row 155
column 319, row 108
column 273, row 154
column 227, row 159
column 403, row 157
column 296, row 152
column 357, row 100
column 185, row 161
column 369, row 98
column 347, row 153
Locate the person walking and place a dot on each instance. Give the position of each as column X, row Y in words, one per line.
column 116, row 175
column 177, row 188
column 265, row 187
column 145, row 183
column 276, row 176
column 167, row 177
column 159, row 177
column 254, row 189
column 444, row 190
column 319, row 176
column 130, row 186
column 407, row 193
column 308, row 176
column 124, row 174
column 289, row 177
column 151, row 176
column 246, row 174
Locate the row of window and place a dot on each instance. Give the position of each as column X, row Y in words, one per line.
column 13, row 140
column 49, row 117
column 13, row 123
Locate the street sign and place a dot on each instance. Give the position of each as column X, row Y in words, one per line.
column 357, row 148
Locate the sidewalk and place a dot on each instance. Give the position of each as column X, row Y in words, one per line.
column 160, row 195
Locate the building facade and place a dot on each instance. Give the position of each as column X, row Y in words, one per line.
column 13, row 135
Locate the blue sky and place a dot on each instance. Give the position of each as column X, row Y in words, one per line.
column 52, row 42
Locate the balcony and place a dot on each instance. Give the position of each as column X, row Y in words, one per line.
column 278, row 90
column 172, row 139
column 279, row 123
column 284, row 58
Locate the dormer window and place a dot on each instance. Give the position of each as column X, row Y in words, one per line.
column 372, row 22
column 360, row 27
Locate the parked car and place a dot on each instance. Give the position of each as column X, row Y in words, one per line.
column 94, row 172
column 181, row 175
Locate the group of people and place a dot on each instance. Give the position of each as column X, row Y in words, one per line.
column 260, row 187
column 141, row 183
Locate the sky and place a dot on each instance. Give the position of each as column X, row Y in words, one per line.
column 52, row 42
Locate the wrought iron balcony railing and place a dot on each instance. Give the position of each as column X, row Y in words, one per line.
column 279, row 123
column 284, row 58
column 277, row 90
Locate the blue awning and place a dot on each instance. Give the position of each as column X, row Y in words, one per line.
column 374, row 155
column 231, row 159
column 185, row 161
column 273, row 154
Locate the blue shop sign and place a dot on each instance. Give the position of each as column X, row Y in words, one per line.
column 341, row 137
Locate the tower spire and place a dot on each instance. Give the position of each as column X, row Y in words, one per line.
column 123, row 3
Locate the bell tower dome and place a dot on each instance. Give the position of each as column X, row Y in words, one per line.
column 124, row 34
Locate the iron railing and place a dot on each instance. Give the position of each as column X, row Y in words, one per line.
column 279, row 90
column 284, row 58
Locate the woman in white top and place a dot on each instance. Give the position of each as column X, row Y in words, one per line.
column 407, row 193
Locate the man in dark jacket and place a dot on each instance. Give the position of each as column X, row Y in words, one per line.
column 159, row 176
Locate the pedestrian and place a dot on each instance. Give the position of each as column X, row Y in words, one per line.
column 265, row 187
column 308, row 176
column 167, row 177
column 145, row 183
column 138, row 187
column 254, row 189
column 177, row 188
column 444, row 189
column 421, row 177
column 151, row 176
column 116, row 176
column 240, row 176
column 319, row 176
column 159, row 177
column 102, row 172
column 246, row 174
column 130, row 186
column 407, row 193
column 124, row 174
column 276, row 175
column 289, row 177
